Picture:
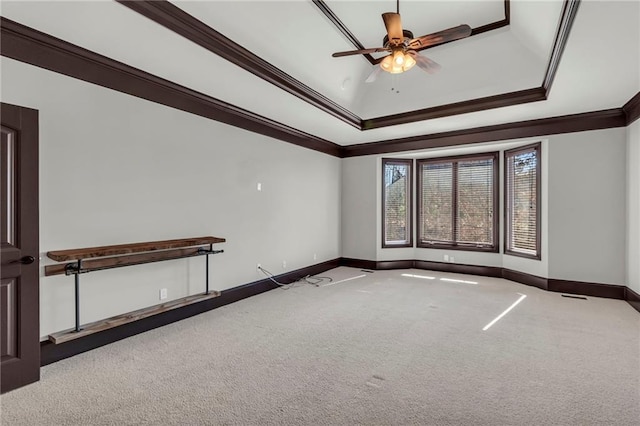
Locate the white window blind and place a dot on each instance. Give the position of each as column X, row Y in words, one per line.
column 457, row 202
column 522, row 201
column 396, row 202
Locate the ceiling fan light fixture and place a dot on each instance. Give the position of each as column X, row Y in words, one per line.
column 403, row 49
column 409, row 62
column 398, row 57
column 386, row 63
column 398, row 62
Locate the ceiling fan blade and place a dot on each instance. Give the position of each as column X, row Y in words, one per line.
column 375, row 72
column 360, row 52
column 450, row 34
column 425, row 63
column 394, row 28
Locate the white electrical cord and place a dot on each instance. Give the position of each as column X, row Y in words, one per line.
column 308, row 279
column 346, row 279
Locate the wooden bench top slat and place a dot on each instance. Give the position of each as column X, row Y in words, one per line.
column 84, row 253
column 95, row 327
column 97, row 264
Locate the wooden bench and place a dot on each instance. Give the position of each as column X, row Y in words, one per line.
column 84, row 260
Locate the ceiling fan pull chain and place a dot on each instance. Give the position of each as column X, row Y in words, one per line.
column 395, row 82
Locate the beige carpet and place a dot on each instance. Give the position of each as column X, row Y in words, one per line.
column 384, row 349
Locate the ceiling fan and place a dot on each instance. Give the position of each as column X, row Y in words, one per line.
column 404, row 48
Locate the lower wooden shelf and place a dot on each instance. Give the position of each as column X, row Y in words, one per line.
column 95, row 327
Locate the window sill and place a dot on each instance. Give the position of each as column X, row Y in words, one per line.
column 495, row 249
column 523, row 255
column 404, row 245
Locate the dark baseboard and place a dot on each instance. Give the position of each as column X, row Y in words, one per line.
column 358, row 263
column 610, row 291
column 632, row 298
column 484, row 271
column 50, row 352
column 523, row 278
column 394, row 264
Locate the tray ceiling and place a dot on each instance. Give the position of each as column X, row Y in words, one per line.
column 599, row 68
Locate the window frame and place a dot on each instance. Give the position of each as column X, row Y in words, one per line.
column 495, row 248
column 409, row 207
column 536, row 147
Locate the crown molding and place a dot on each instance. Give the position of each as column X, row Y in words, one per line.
column 28, row 45
column 333, row 18
column 568, row 15
column 175, row 19
column 474, row 105
column 184, row 24
column 595, row 120
column 535, row 94
column 632, row 109
column 33, row 47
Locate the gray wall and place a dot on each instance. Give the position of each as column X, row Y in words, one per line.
column 587, row 207
column 358, row 214
column 583, row 211
column 117, row 169
column 633, row 206
column 359, row 207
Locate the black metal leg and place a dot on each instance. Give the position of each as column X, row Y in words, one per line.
column 207, row 270
column 75, row 268
column 77, row 291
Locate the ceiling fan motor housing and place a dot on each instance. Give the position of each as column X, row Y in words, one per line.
column 408, row 35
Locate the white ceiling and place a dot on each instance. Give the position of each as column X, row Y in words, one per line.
column 600, row 68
